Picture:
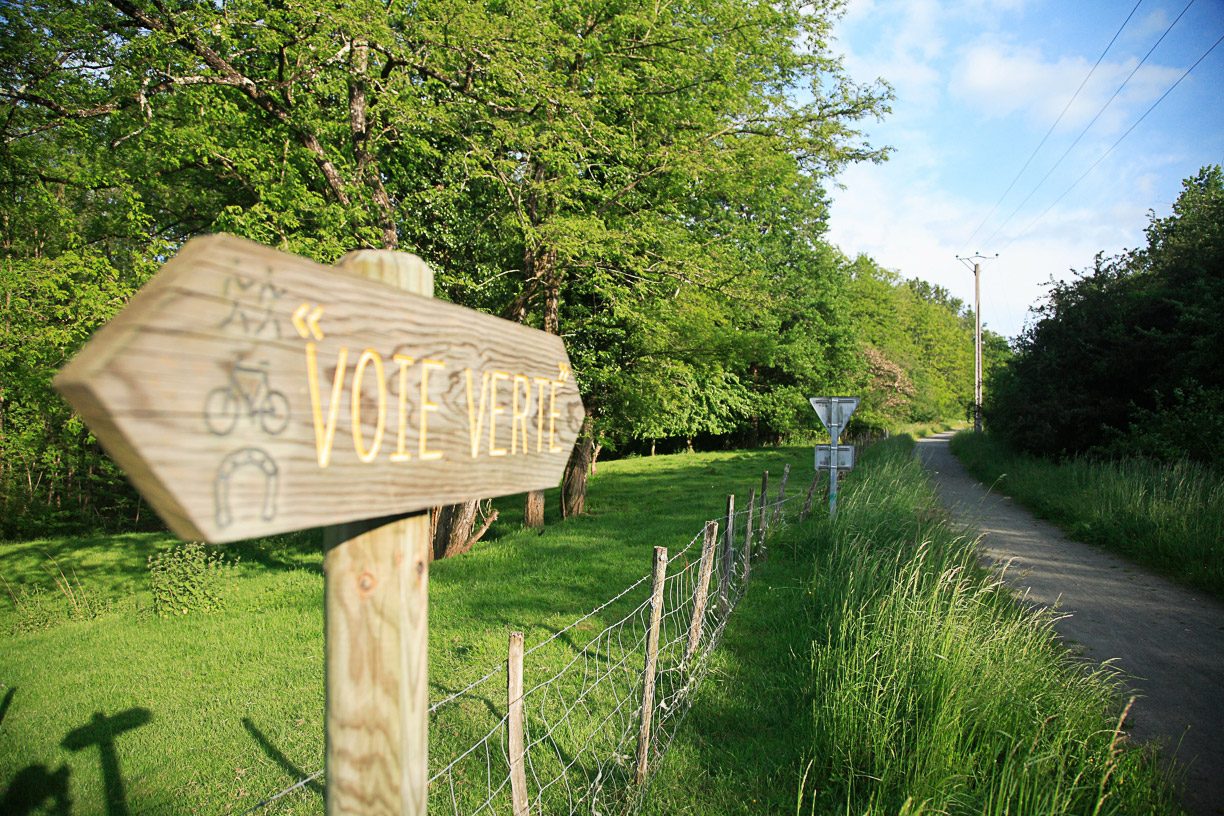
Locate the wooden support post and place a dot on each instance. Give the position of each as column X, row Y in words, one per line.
column 752, row 497
column 376, row 578
column 807, row 503
column 514, row 697
column 777, row 508
column 701, row 595
column 728, row 561
column 652, row 659
column 764, row 505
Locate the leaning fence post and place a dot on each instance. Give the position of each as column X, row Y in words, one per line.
column 728, row 560
column 807, row 503
column 703, row 589
column 748, row 530
column 652, row 657
column 514, row 695
column 777, row 508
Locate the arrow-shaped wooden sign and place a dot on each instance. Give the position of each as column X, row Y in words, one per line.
column 248, row 392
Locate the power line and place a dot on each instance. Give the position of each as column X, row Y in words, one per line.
column 1115, row 144
column 1056, row 121
column 1087, row 127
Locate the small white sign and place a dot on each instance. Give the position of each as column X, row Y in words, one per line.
column 845, row 457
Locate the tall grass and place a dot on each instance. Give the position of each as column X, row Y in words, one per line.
column 917, row 684
column 1167, row 516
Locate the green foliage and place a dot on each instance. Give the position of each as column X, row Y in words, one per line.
column 874, row 668
column 637, row 178
column 1125, row 357
column 38, row 607
column 188, row 578
column 1167, row 515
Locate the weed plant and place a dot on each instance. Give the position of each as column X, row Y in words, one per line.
column 188, row 578
column 1169, row 516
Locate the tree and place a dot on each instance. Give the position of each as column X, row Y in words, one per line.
column 1124, row 358
column 579, row 167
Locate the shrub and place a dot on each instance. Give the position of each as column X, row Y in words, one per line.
column 187, row 578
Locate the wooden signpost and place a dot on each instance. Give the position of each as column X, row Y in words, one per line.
column 247, row 392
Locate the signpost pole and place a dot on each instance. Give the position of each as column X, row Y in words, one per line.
column 376, row 582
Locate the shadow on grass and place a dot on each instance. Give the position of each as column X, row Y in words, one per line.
column 101, row 732
column 36, row 789
column 273, row 753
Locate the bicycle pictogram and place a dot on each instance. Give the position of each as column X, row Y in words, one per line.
column 249, row 394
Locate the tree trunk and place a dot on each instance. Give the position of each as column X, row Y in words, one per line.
column 595, row 458
column 574, row 483
column 453, row 529
column 533, row 515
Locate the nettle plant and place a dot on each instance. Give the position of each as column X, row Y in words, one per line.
column 188, row 578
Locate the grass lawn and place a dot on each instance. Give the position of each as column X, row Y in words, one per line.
column 227, row 707
column 869, row 668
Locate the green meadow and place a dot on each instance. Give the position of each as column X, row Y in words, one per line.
column 869, row 668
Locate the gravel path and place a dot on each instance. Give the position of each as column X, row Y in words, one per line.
column 1168, row 641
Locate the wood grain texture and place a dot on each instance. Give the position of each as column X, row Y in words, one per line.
column 764, row 519
column 658, row 577
column 376, row 576
column 220, row 391
column 728, row 561
column 807, row 502
column 701, row 595
column 752, row 499
column 514, row 699
column 376, row 579
column 781, row 495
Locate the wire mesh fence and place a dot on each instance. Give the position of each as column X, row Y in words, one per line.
column 599, row 709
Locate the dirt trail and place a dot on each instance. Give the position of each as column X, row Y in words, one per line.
column 1168, row 641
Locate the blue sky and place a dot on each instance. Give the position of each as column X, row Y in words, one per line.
column 979, row 83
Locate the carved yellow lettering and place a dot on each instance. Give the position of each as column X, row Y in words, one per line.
column 324, row 433
column 401, row 455
column 476, row 418
column 519, row 418
column 553, row 416
column 427, row 406
column 369, row 356
column 541, row 382
column 494, row 410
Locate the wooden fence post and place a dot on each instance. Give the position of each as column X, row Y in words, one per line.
column 728, row 561
column 807, row 503
column 652, row 658
column 376, row 578
column 752, row 497
column 514, row 696
column 777, row 508
column 764, row 504
column 703, row 589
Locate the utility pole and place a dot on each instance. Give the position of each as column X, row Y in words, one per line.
column 977, row 335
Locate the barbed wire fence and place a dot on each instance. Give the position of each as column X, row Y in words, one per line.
column 586, row 734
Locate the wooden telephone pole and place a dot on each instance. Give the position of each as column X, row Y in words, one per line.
column 977, row 335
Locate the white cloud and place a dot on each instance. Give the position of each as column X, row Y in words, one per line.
column 1001, row 79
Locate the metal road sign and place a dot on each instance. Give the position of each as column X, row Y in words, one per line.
column 248, row 392
column 834, row 413
column 845, row 457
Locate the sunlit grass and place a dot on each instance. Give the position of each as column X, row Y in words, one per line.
column 900, row 678
column 1167, row 516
